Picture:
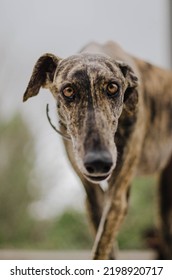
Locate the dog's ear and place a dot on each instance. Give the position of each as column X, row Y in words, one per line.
column 42, row 76
column 131, row 92
column 128, row 74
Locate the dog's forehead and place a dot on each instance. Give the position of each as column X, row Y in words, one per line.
column 88, row 63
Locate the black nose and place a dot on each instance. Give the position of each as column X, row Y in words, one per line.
column 98, row 162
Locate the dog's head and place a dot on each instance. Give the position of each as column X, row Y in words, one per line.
column 91, row 91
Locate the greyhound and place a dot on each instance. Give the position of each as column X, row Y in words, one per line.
column 115, row 113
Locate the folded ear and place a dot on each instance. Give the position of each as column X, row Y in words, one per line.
column 128, row 74
column 131, row 92
column 42, row 76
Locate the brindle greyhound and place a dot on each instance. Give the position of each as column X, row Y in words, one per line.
column 117, row 111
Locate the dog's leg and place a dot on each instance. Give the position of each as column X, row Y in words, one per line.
column 113, row 215
column 95, row 203
column 165, row 197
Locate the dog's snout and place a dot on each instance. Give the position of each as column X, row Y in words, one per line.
column 98, row 162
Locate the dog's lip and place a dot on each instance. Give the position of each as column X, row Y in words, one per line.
column 97, row 178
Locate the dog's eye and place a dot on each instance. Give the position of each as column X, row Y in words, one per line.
column 112, row 89
column 68, row 92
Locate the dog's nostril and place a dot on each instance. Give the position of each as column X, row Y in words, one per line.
column 89, row 168
column 107, row 167
column 98, row 162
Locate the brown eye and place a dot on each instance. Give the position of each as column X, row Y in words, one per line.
column 112, row 89
column 68, row 92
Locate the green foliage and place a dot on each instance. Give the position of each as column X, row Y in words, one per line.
column 70, row 231
column 16, row 226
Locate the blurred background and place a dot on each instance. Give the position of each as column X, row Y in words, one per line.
column 41, row 200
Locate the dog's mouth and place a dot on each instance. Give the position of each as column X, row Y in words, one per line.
column 97, row 178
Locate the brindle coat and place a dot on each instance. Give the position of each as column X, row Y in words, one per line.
column 117, row 111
